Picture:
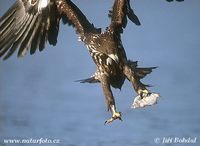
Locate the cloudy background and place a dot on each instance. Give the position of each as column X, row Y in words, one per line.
column 39, row 98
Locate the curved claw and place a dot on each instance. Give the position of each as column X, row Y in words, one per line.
column 144, row 93
column 116, row 115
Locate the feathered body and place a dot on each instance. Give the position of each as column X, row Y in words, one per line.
column 108, row 54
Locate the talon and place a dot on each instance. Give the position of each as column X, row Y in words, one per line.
column 144, row 93
column 116, row 115
column 109, row 121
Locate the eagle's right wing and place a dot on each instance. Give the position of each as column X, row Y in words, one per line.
column 29, row 24
column 73, row 15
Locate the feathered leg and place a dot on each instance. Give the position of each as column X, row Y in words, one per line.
column 134, row 74
column 139, row 87
column 105, row 83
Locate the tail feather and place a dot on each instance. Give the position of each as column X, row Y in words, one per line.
column 89, row 80
column 140, row 72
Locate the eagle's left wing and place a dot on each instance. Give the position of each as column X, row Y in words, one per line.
column 121, row 10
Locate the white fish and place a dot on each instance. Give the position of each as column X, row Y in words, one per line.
column 145, row 101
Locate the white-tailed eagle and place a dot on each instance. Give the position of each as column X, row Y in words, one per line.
column 29, row 24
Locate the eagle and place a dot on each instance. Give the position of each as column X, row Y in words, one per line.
column 29, row 24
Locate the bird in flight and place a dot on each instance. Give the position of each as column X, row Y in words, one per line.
column 29, row 24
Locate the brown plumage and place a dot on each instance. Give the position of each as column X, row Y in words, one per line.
column 110, row 58
column 29, row 24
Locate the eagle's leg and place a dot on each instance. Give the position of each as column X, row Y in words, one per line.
column 139, row 87
column 105, row 83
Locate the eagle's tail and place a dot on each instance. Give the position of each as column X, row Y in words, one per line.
column 89, row 80
column 135, row 74
column 140, row 73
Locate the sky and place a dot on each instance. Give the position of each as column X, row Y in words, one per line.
column 35, row 89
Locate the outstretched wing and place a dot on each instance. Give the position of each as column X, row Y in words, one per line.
column 73, row 15
column 27, row 25
column 121, row 10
